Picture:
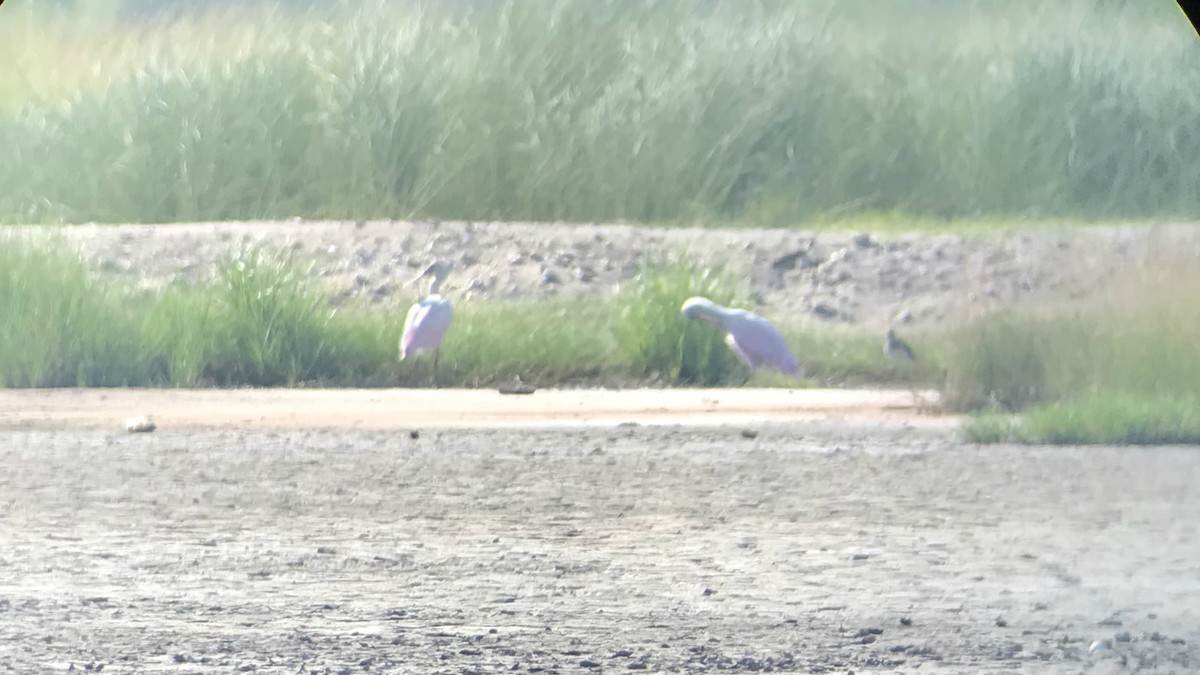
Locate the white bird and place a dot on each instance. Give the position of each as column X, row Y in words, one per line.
column 755, row 341
column 428, row 320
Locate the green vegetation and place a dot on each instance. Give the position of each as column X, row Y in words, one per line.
column 262, row 323
column 1123, row 371
column 60, row 326
column 659, row 342
column 715, row 111
column 1101, row 420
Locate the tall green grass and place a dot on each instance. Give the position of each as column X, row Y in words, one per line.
column 59, row 326
column 1138, row 338
column 1124, row 369
column 656, row 339
column 262, row 322
column 721, row 111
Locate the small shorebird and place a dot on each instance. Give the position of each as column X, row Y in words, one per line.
column 896, row 349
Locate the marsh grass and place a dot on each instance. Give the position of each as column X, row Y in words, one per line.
column 1122, row 370
column 1111, row 419
column 545, row 344
column 658, row 342
column 1138, row 339
column 60, row 327
column 668, row 111
column 262, row 323
column 1124, row 366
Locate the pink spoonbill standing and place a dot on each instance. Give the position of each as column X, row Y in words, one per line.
column 428, row 320
column 755, row 341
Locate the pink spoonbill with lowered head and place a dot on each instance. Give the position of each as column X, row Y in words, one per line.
column 428, row 320
column 755, row 341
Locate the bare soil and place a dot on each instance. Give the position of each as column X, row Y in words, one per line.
column 408, row 409
column 804, row 540
column 837, row 277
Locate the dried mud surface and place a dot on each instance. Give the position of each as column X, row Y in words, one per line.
column 791, row 547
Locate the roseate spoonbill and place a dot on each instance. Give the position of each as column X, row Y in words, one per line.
column 751, row 337
column 896, row 349
column 428, row 320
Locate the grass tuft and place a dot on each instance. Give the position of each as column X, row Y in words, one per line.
column 543, row 343
column 62, row 328
column 655, row 338
column 274, row 328
column 1100, row 420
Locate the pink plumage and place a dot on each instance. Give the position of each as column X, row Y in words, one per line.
column 425, row 326
column 427, row 321
column 752, row 338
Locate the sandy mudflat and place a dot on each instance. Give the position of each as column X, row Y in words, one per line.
column 313, row 532
column 401, row 409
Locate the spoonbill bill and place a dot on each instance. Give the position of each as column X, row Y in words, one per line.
column 755, row 341
column 428, row 320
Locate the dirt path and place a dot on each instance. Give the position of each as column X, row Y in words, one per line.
column 404, row 409
column 818, row 545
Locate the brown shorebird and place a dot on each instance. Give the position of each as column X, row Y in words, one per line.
column 896, row 349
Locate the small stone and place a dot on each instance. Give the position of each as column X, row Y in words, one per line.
column 865, row 240
column 749, row 433
column 326, row 550
column 791, row 261
column 824, row 310
column 414, row 435
column 140, row 425
column 905, row 621
column 588, row 663
column 549, row 278
column 1123, row 636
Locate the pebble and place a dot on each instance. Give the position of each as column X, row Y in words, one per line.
column 140, row 425
column 1099, row 646
column 824, row 311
